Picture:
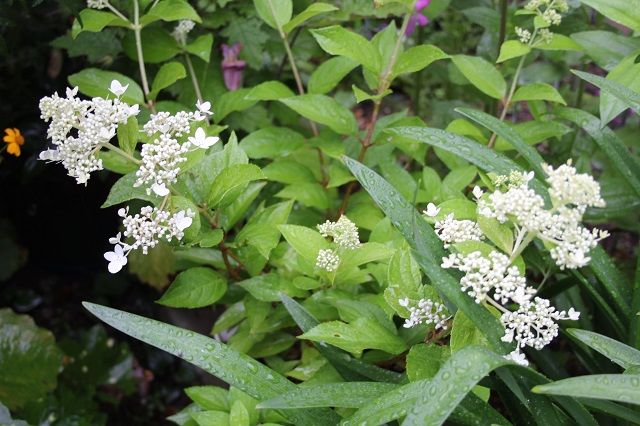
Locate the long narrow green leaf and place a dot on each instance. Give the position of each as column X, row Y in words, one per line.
column 623, row 355
column 235, row 368
column 507, row 133
column 441, row 394
column 350, row 368
column 473, row 411
column 428, row 250
column 627, row 164
column 630, row 98
column 601, row 303
column 612, row 279
column 612, row 387
column 349, row 395
column 613, row 409
column 470, row 150
column 634, row 330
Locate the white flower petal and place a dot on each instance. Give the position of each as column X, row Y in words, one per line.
column 160, row 189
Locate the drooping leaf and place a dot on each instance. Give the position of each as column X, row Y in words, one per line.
column 418, row 58
column 216, row 358
column 538, row 92
column 511, row 49
column 626, row 12
column 275, row 13
column 168, row 74
column 314, row 9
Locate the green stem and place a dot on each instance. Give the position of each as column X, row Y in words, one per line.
column 194, row 77
column 116, row 12
column 120, row 152
column 137, row 28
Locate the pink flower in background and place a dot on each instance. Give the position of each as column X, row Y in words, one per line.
column 418, row 18
column 232, row 67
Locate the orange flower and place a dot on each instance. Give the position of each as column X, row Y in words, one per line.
column 14, row 138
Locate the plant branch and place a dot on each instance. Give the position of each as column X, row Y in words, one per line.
column 137, row 28
column 384, row 83
column 120, row 152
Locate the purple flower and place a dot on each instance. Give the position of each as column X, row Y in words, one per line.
column 418, row 18
column 232, row 67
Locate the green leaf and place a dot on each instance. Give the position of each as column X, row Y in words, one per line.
column 238, row 416
column 268, row 287
column 155, row 267
column 498, row 233
column 612, row 279
column 229, row 180
column 626, row 163
column 430, row 402
column 483, row 75
column 348, row 395
column 201, row 47
column 418, row 58
column 95, row 82
column 404, row 281
column 324, row 110
column 629, row 97
column 625, row 12
column 424, row 360
column 511, row 49
column 305, row 241
column 310, row 194
column 363, row 333
column 271, row 142
column 538, row 92
column 612, row 387
column 427, row 248
column 327, row 76
column 464, row 333
column 116, row 163
column 168, row 74
column 275, row 13
column 231, row 102
column 209, row 397
column 128, row 135
column 606, row 48
column 627, row 73
column 123, row 190
column 209, row 418
column 194, row 288
column 158, row 45
column 623, row 355
column 339, row 41
column 559, row 42
column 232, row 367
column 506, row 132
column 29, row 360
column 170, row 10
column 313, row 10
column 95, row 21
column 350, row 368
column 269, row 91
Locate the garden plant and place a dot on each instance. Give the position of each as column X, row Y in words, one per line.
column 410, row 212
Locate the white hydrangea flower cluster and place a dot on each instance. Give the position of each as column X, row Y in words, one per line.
column 571, row 194
column 452, row 231
column 181, row 31
column 344, row 234
column 484, row 275
column 161, row 158
column 534, row 325
column 328, row 260
column 146, row 229
column 426, row 311
column 80, row 128
column 493, row 278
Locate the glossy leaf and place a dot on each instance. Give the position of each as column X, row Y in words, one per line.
column 324, row 110
column 612, row 387
column 348, row 395
column 194, row 288
column 337, row 40
column 623, row 355
column 216, row 358
column 483, row 75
